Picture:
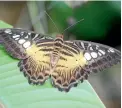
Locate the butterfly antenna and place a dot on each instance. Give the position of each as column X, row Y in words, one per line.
column 72, row 25
column 52, row 21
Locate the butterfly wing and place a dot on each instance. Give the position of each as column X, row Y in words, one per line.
column 32, row 49
column 16, row 41
column 78, row 59
column 37, row 66
column 98, row 56
column 67, row 71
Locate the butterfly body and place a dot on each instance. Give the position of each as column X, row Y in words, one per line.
column 66, row 63
column 55, row 56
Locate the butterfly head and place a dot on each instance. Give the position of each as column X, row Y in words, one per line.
column 59, row 36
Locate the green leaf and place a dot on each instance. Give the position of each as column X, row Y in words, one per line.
column 15, row 92
column 4, row 25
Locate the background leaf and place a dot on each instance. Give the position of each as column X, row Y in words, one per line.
column 15, row 92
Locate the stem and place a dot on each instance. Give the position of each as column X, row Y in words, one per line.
column 33, row 11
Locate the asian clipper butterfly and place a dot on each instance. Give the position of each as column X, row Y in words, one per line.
column 65, row 62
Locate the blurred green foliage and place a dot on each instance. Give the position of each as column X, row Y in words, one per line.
column 59, row 13
column 97, row 17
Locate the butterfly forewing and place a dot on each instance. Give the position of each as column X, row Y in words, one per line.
column 97, row 55
column 16, row 41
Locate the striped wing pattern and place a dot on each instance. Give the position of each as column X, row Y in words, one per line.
column 34, row 57
column 80, row 58
column 16, row 41
column 76, row 59
column 68, row 69
column 36, row 67
column 98, row 56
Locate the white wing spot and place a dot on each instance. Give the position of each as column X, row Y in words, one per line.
column 91, row 48
column 16, row 36
column 111, row 50
column 22, row 33
column 99, row 54
column 87, row 56
column 21, row 41
column 94, row 54
column 16, row 39
column 29, row 33
column 97, row 47
column 108, row 51
column 35, row 36
column 82, row 44
column 26, row 44
column 8, row 31
column 102, row 52
column 26, row 37
column 49, row 37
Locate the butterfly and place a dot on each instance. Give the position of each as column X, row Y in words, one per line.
column 66, row 63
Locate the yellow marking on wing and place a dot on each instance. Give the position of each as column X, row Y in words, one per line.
column 67, row 70
column 38, row 55
column 70, row 66
column 72, row 62
column 81, row 59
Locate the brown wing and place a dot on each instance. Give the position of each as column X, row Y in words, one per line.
column 16, row 41
column 32, row 49
column 98, row 56
column 68, row 69
column 37, row 66
column 78, row 59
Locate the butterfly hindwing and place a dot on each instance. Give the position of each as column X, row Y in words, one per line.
column 69, row 71
column 37, row 66
column 34, row 72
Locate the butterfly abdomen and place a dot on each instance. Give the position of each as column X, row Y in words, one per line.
column 57, row 46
